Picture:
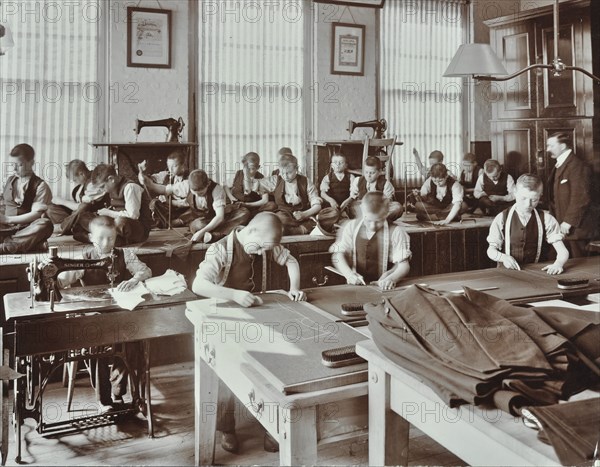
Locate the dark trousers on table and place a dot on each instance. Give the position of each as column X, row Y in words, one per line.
column 234, row 216
column 128, row 230
column 292, row 226
column 28, row 238
column 66, row 217
column 493, row 208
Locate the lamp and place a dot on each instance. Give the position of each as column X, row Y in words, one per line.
column 6, row 39
column 480, row 61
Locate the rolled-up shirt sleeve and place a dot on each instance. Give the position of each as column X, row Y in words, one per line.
column 388, row 190
column 211, row 269
column 510, row 188
column 354, row 188
column 133, row 201
column 42, row 198
column 179, row 189
column 495, row 236
column 553, row 233
column 135, row 266
column 458, row 193
column 400, row 242
column 313, row 196
column 268, row 184
column 325, row 184
column 478, row 191
column 281, row 255
column 344, row 242
column 426, row 187
column 219, row 198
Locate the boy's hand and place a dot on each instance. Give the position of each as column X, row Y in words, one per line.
column 510, row 263
column 345, row 204
column 565, row 228
column 386, row 284
column 553, row 269
column 105, row 212
column 297, row 295
column 495, row 198
column 442, row 222
column 198, row 236
column 246, row 299
column 126, row 286
column 355, row 279
column 299, row 215
column 334, row 204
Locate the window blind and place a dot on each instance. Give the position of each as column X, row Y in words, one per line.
column 250, row 83
column 49, row 88
column 418, row 40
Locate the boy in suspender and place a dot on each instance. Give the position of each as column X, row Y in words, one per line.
column 519, row 235
column 369, row 249
column 494, row 188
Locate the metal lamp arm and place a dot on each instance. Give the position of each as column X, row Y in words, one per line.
column 514, row 75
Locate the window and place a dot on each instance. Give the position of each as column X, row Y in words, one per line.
column 250, row 83
column 418, row 40
column 49, row 92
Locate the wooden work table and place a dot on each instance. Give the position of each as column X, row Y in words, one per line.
column 243, row 366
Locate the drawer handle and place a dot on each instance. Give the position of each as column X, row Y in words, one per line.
column 209, row 354
column 257, row 407
column 320, row 284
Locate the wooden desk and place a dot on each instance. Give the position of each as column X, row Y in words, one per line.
column 74, row 325
column 248, row 350
column 478, row 436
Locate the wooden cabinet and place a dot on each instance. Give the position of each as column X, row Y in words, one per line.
column 529, row 108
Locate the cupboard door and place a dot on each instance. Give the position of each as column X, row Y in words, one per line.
column 514, row 145
column 516, row 98
column 564, row 95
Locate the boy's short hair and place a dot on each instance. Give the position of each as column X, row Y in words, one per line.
column 23, row 150
column 439, row 170
column 288, row 160
column 373, row 161
column 437, row 155
column 563, row 138
column 198, row 180
column 491, row 165
column 77, row 166
column 375, row 203
column 338, row 154
column 531, row 182
column 178, row 156
column 269, row 219
column 284, row 150
column 469, row 157
column 101, row 173
column 102, row 221
column 251, row 157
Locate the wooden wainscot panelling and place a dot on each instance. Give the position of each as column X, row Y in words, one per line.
column 457, row 250
column 442, row 243
column 416, row 248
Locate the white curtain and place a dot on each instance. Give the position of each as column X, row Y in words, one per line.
column 418, row 41
column 49, row 91
column 250, row 83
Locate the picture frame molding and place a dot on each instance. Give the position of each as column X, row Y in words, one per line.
column 335, row 66
column 134, row 61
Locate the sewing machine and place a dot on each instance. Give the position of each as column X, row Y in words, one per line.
column 43, row 277
column 379, row 127
column 175, row 127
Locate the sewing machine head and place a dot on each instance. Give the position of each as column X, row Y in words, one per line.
column 175, row 127
column 379, row 127
column 44, row 276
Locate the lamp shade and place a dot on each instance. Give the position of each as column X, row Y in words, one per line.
column 6, row 39
column 475, row 59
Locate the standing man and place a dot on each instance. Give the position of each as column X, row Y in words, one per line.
column 569, row 194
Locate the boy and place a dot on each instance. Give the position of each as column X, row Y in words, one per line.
column 282, row 151
column 517, row 234
column 468, row 178
column 435, row 157
column 129, row 207
column 441, row 197
column 176, row 172
column 129, row 271
column 373, row 180
column 229, row 272
column 335, row 186
column 209, row 218
column 367, row 248
column 85, row 197
column 494, row 188
column 26, row 199
column 295, row 196
column 244, row 188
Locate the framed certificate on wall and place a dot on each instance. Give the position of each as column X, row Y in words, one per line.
column 148, row 38
column 348, row 49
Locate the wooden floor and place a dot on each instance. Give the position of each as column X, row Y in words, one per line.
column 173, row 405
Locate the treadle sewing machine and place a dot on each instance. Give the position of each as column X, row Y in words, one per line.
column 53, row 329
column 175, row 127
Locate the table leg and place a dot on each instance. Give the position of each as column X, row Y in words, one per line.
column 3, row 405
column 206, row 389
column 298, row 437
column 146, row 388
column 388, row 431
column 19, row 402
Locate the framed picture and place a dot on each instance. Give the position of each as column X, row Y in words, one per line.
column 347, row 49
column 367, row 3
column 148, row 38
